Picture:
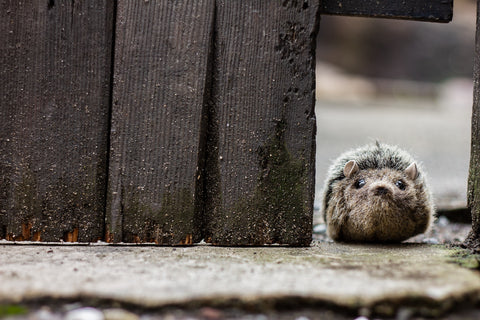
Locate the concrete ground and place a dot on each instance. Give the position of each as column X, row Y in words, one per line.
column 358, row 280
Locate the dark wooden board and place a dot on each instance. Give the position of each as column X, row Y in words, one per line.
column 54, row 100
column 161, row 54
column 259, row 181
column 473, row 239
column 423, row 10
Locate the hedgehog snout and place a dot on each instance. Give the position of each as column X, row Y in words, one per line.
column 380, row 189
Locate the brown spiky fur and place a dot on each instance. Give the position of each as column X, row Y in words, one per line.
column 379, row 211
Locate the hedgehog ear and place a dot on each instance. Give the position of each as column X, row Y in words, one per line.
column 412, row 171
column 351, row 167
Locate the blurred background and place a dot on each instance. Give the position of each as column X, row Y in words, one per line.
column 406, row 83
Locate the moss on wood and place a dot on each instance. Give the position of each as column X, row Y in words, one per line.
column 143, row 222
column 278, row 211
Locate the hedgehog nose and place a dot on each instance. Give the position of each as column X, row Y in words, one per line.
column 379, row 191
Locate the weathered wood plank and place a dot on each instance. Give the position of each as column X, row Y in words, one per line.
column 259, row 182
column 473, row 239
column 161, row 54
column 422, row 10
column 54, row 74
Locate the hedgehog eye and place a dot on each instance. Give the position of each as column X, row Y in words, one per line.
column 359, row 183
column 400, row 185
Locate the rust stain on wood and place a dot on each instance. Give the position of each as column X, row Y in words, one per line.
column 26, row 234
column 12, row 237
column 26, row 230
column 37, row 236
column 188, row 240
column 136, row 239
column 109, row 236
column 71, row 236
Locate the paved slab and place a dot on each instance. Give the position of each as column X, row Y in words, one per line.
column 378, row 279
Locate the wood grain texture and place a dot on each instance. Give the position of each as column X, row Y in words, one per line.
column 473, row 240
column 55, row 75
column 259, row 184
column 161, row 54
column 422, row 10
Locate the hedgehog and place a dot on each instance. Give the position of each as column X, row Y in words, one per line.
column 377, row 194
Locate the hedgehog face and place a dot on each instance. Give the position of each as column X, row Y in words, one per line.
column 378, row 205
column 380, row 189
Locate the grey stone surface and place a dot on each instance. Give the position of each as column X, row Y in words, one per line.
column 374, row 278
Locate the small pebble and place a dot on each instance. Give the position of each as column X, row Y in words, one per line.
column 442, row 221
column 404, row 314
column 211, row 313
column 320, row 228
column 119, row 314
column 46, row 314
column 85, row 314
column 430, row 241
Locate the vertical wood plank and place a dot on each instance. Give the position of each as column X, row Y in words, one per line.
column 54, row 74
column 473, row 240
column 161, row 55
column 260, row 166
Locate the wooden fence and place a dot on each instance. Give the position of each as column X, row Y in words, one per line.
column 164, row 121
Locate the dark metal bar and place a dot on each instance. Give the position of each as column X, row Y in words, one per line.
column 421, row 10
